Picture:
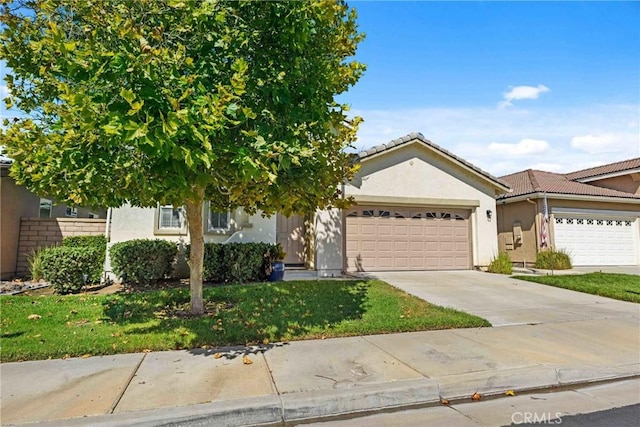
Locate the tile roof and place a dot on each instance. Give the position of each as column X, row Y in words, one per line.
column 605, row 169
column 413, row 136
column 534, row 181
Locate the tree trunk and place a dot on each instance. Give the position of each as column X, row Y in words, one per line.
column 196, row 257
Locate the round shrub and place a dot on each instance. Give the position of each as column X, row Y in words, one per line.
column 143, row 261
column 65, row 267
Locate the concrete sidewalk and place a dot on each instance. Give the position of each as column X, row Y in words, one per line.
column 311, row 380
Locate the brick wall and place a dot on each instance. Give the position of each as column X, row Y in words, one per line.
column 42, row 232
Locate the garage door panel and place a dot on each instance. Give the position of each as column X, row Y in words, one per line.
column 597, row 241
column 425, row 239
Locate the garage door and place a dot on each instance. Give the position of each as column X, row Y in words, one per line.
column 390, row 238
column 598, row 241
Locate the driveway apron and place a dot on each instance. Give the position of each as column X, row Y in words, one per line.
column 504, row 301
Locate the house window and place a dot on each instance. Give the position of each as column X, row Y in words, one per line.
column 170, row 217
column 72, row 212
column 93, row 215
column 45, row 208
column 218, row 221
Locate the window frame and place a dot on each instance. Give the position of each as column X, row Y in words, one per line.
column 159, row 229
column 71, row 212
column 208, row 229
column 48, row 202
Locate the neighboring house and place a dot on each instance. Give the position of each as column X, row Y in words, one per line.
column 418, row 207
column 593, row 214
column 16, row 204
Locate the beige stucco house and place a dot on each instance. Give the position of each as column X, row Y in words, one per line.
column 418, row 207
column 593, row 214
column 17, row 203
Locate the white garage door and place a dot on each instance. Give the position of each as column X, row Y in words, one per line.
column 598, row 241
column 392, row 238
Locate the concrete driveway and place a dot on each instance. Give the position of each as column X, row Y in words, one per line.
column 504, row 301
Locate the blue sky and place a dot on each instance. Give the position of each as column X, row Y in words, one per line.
column 506, row 85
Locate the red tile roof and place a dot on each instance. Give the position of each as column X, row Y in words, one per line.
column 534, row 181
column 605, row 169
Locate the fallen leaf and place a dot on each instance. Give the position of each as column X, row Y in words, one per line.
column 246, row 360
column 146, row 350
column 85, row 356
column 34, row 317
column 510, row 393
column 217, row 355
column 444, row 401
column 265, row 341
column 476, row 396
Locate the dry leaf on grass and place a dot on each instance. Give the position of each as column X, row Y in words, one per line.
column 34, row 317
column 246, row 360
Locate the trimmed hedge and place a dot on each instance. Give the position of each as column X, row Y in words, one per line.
column 236, row 262
column 64, row 267
column 143, row 261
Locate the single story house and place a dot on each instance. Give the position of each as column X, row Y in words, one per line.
column 417, row 207
column 593, row 214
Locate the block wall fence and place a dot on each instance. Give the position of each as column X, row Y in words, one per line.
column 43, row 232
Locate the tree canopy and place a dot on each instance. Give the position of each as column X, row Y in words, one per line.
column 177, row 102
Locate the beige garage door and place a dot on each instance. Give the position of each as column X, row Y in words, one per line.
column 391, row 238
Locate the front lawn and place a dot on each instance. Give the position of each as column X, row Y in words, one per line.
column 625, row 287
column 261, row 313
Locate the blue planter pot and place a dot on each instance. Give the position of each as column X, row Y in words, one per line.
column 277, row 272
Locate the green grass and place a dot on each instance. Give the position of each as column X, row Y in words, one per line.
column 625, row 287
column 237, row 315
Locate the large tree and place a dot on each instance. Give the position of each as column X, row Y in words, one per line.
column 179, row 102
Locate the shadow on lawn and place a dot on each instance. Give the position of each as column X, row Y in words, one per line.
column 253, row 316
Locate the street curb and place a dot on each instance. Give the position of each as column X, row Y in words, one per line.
column 374, row 397
column 287, row 409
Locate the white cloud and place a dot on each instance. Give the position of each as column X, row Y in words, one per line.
column 4, row 91
column 605, row 143
column 522, row 92
column 548, row 167
column 525, row 147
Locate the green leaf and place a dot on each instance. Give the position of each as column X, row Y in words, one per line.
column 127, row 95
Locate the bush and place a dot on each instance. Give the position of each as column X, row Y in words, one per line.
column 98, row 242
column 143, row 261
column 501, row 264
column 64, row 267
column 553, row 260
column 236, row 262
column 34, row 259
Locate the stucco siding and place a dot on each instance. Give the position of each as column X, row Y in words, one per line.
column 16, row 202
column 627, row 183
column 329, row 242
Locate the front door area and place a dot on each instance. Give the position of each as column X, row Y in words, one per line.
column 291, row 235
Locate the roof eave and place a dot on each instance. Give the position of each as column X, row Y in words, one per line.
column 561, row 196
column 607, row 175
